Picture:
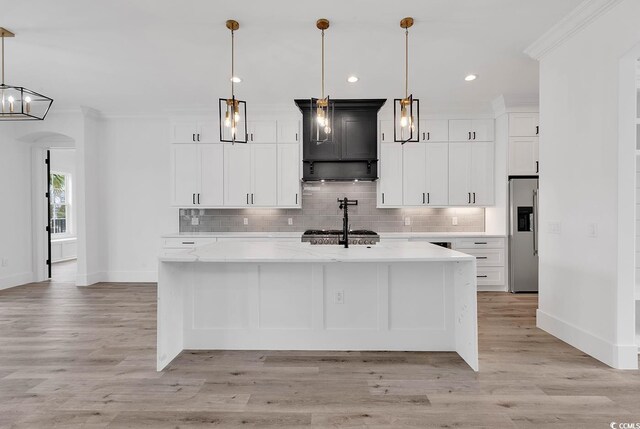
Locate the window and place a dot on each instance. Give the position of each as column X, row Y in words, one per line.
column 60, row 207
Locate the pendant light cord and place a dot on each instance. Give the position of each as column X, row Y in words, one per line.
column 2, row 58
column 232, row 63
column 406, row 63
column 322, row 65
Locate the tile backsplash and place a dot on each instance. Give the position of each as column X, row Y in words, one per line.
column 320, row 210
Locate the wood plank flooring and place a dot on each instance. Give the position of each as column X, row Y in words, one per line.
column 85, row 358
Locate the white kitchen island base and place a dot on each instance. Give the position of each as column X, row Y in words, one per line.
column 291, row 296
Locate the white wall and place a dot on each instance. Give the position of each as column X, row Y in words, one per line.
column 134, row 166
column 582, row 299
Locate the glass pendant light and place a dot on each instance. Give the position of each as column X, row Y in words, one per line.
column 233, row 112
column 321, row 108
column 406, row 126
column 18, row 103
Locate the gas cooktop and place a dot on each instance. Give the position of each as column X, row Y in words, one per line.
column 332, row 236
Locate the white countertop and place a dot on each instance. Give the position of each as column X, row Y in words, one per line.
column 298, row 234
column 274, row 251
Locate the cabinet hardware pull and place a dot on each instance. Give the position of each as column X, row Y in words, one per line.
column 482, row 277
column 251, row 136
column 251, row 198
column 296, row 198
column 481, row 257
column 193, row 137
column 198, row 198
column 383, row 198
column 474, row 135
column 423, row 196
column 537, row 166
column 474, row 198
column 296, row 136
column 193, row 198
column 537, row 129
column 423, row 137
column 469, row 194
column 469, row 135
column 428, row 198
column 382, row 136
column 428, row 136
column 247, row 199
column 188, row 242
column 480, row 242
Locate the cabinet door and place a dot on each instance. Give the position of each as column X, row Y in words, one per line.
column 459, row 174
column 482, row 130
column 524, row 125
column 185, row 174
column 288, row 131
column 523, row 156
column 460, row 130
column 434, row 130
column 357, row 135
column 390, row 183
column 386, row 131
column 289, row 175
column 414, row 174
column 208, row 132
column 437, row 174
column 237, row 175
column 184, row 131
column 482, row 173
column 262, row 132
column 211, row 168
column 264, row 175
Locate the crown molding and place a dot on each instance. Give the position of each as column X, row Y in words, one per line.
column 580, row 17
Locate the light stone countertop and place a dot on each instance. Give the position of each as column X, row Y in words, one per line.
column 298, row 234
column 277, row 251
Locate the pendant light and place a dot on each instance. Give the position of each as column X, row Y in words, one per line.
column 321, row 108
column 407, row 124
column 233, row 112
column 18, row 103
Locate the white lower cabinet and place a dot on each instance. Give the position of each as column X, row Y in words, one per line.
column 490, row 256
column 250, row 175
column 425, row 174
column 390, row 184
column 197, row 178
column 471, row 174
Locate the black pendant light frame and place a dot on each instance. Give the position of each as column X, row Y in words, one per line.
column 406, row 104
column 320, row 134
column 232, row 106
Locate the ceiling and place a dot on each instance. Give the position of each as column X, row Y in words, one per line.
column 137, row 56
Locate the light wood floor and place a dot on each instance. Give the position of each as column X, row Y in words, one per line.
column 85, row 357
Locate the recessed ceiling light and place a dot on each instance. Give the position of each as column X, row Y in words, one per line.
column 470, row 77
column 352, row 79
column 235, row 79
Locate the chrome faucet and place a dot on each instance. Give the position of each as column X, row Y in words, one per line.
column 344, row 205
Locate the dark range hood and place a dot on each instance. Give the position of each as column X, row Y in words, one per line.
column 353, row 152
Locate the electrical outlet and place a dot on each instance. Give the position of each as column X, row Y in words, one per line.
column 554, row 228
column 407, row 221
column 338, row 298
column 290, row 221
column 246, row 221
column 5, row 262
column 592, row 230
column 454, row 220
column 195, row 221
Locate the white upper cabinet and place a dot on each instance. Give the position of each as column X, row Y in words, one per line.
column 264, row 175
column 390, row 183
column 524, row 124
column 250, row 175
column 289, row 132
column 237, row 175
column 462, row 130
column 434, row 130
column 471, row 174
column 208, row 131
column 437, row 174
column 425, row 174
column 197, row 175
column 523, row 156
column 192, row 131
column 386, row 131
column 262, row 131
column 289, row 175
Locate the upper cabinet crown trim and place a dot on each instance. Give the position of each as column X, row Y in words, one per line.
column 580, row 17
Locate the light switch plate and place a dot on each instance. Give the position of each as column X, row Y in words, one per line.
column 554, row 228
column 407, row 221
column 246, row 221
column 195, row 221
column 592, row 230
column 339, row 297
column 454, row 220
column 290, row 221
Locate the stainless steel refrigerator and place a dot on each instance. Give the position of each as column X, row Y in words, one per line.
column 523, row 234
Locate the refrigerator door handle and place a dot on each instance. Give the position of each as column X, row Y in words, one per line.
column 535, row 222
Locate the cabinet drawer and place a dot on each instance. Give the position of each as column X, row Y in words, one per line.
column 486, row 257
column 490, row 276
column 186, row 243
column 261, row 239
column 480, row 243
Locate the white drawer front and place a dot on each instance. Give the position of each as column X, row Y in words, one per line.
column 185, row 243
column 480, row 243
column 486, row 257
column 259, row 239
column 491, row 276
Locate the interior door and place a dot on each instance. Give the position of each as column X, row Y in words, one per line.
column 414, row 174
column 211, row 166
column 264, row 174
column 237, row 175
column 185, row 174
column 48, row 227
column 437, row 174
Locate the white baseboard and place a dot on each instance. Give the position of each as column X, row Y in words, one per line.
column 131, row 276
column 615, row 355
column 15, row 280
column 89, row 279
column 492, row 288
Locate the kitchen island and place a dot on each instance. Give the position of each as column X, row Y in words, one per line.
column 271, row 295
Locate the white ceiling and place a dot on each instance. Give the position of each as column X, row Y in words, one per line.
column 136, row 56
